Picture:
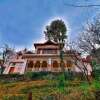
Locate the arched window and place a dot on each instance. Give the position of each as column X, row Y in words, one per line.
column 44, row 64
column 37, row 64
column 55, row 64
column 30, row 64
column 69, row 63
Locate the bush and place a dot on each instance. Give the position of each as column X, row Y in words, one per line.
column 6, row 78
column 96, row 74
column 36, row 75
column 61, row 80
column 28, row 75
column 15, row 75
column 49, row 75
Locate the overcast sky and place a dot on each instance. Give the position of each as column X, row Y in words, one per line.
column 22, row 22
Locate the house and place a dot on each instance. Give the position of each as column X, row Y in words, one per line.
column 45, row 58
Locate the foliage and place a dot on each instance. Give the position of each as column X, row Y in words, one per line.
column 96, row 74
column 89, row 39
column 36, row 75
column 28, row 75
column 49, row 75
column 54, row 30
column 7, row 78
column 96, row 85
column 69, row 75
column 96, row 70
column 14, row 75
column 61, row 82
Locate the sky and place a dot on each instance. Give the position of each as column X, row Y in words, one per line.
column 22, row 22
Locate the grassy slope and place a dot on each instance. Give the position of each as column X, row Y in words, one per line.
column 42, row 88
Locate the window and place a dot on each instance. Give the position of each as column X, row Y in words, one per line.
column 37, row 64
column 30, row 64
column 49, row 51
column 69, row 63
column 44, row 64
column 55, row 64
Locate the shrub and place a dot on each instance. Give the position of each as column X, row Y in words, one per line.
column 49, row 77
column 96, row 74
column 37, row 75
column 28, row 75
column 14, row 75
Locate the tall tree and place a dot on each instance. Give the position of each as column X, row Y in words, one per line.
column 56, row 31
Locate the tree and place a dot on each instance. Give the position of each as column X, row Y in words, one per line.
column 89, row 39
column 88, row 42
column 56, row 31
column 81, row 64
column 6, row 52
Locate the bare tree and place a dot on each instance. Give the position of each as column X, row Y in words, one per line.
column 79, row 63
column 89, row 40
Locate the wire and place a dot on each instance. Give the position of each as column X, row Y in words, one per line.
column 72, row 5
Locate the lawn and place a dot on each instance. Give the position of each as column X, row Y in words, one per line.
column 48, row 90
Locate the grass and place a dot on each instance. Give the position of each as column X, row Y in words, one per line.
column 48, row 90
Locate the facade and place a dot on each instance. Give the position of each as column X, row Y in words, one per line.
column 17, row 66
column 45, row 58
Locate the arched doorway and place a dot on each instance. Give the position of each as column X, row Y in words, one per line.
column 37, row 65
column 69, row 63
column 44, row 66
column 30, row 65
column 55, row 66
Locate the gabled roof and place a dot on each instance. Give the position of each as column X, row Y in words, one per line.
column 49, row 42
column 19, row 53
column 29, row 52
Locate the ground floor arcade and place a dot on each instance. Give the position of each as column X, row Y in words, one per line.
column 44, row 63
